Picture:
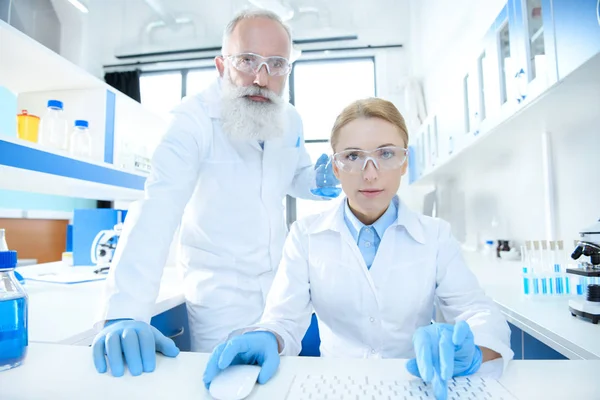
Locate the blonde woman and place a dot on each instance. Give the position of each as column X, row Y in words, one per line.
column 373, row 271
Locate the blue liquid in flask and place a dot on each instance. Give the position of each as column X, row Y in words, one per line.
column 13, row 332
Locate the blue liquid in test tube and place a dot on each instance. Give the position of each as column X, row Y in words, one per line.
column 525, row 281
column 544, row 286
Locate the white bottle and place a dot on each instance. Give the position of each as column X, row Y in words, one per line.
column 81, row 140
column 54, row 129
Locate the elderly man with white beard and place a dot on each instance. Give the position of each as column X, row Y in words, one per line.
column 221, row 172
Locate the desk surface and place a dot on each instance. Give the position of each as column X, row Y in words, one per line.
column 65, row 313
column 546, row 319
column 67, row 372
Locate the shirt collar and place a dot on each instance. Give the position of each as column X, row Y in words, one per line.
column 382, row 223
column 333, row 219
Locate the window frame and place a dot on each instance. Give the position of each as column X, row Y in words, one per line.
column 290, row 202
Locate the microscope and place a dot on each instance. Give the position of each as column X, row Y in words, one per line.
column 104, row 246
column 589, row 246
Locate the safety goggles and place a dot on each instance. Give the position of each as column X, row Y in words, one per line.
column 251, row 63
column 386, row 158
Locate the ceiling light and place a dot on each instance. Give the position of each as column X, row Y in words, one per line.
column 79, row 5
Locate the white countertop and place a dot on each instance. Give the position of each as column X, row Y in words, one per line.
column 67, row 372
column 65, row 313
column 62, row 313
column 546, row 319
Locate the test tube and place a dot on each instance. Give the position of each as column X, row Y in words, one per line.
column 537, row 259
column 525, row 264
column 563, row 261
column 532, row 270
column 556, row 268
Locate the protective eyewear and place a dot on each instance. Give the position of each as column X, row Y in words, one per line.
column 386, row 158
column 251, row 63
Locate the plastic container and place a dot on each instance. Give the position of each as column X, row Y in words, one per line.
column 13, row 311
column 54, row 129
column 28, row 126
column 81, row 140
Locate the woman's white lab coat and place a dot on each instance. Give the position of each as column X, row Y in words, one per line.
column 374, row 313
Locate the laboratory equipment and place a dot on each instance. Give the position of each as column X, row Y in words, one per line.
column 235, row 382
column 327, row 185
column 27, row 126
column 589, row 246
column 53, row 130
column 105, row 243
column 81, row 141
column 544, row 274
column 13, row 311
column 372, row 387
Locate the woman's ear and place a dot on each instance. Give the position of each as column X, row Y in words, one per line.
column 336, row 170
column 405, row 165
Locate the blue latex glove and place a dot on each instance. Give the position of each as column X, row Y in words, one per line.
column 137, row 341
column 326, row 181
column 442, row 352
column 252, row 348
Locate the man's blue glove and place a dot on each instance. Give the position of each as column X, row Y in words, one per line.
column 442, row 352
column 326, row 182
column 252, row 348
column 136, row 340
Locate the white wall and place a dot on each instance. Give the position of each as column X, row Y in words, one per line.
column 505, row 198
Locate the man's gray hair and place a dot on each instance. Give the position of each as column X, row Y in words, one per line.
column 253, row 13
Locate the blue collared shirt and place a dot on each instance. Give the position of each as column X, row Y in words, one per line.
column 368, row 237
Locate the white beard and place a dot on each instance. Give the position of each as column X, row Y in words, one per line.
column 244, row 119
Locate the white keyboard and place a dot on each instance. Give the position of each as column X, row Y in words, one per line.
column 330, row 387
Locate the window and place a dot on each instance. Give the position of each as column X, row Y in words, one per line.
column 199, row 79
column 162, row 91
column 321, row 90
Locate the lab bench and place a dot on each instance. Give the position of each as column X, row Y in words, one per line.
column 65, row 313
column 541, row 328
column 67, row 372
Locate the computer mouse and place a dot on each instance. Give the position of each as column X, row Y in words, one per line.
column 234, row 382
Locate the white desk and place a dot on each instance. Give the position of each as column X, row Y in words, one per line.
column 546, row 319
column 65, row 313
column 60, row 313
column 67, row 372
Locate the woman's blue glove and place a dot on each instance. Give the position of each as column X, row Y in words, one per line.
column 254, row 348
column 326, row 182
column 442, row 352
column 136, row 340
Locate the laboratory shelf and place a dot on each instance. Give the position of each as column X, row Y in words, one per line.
column 28, row 66
column 552, row 111
column 36, row 74
column 25, row 166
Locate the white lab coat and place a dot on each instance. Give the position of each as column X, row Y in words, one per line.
column 228, row 197
column 374, row 313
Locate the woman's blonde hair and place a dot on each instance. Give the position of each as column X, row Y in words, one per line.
column 371, row 107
